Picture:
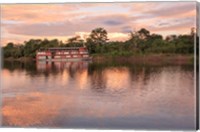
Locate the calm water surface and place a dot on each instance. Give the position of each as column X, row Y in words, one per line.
column 98, row 95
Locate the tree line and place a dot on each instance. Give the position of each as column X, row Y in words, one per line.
column 139, row 42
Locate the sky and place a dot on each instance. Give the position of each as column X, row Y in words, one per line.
column 21, row 22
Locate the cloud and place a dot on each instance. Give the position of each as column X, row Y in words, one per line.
column 43, row 29
column 36, row 13
column 164, row 24
column 113, row 22
column 10, row 22
column 174, row 24
column 171, row 9
column 163, row 10
column 126, row 29
column 21, row 22
column 64, row 28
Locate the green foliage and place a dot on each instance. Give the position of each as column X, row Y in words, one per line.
column 96, row 40
column 11, row 50
column 98, row 36
column 143, row 34
column 75, row 42
column 140, row 42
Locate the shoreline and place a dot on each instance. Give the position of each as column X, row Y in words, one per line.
column 21, row 59
column 146, row 58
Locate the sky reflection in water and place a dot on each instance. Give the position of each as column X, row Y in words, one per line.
column 98, row 95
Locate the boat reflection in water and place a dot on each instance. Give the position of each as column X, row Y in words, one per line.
column 98, row 95
column 60, row 66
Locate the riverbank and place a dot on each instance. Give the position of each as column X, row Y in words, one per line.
column 147, row 58
column 22, row 59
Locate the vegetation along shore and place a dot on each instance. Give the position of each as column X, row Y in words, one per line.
column 141, row 46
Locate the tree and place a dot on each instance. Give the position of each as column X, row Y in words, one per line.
column 134, row 39
column 10, row 45
column 143, row 33
column 170, row 38
column 156, row 36
column 142, row 36
column 73, row 39
column 13, row 50
column 141, row 41
column 31, row 46
column 8, row 50
column 75, row 42
column 53, row 43
column 99, row 36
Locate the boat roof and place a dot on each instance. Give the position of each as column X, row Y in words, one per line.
column 64, row 48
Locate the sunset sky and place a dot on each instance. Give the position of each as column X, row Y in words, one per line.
column 22, row 22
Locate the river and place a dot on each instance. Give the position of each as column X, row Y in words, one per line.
column 98, row 95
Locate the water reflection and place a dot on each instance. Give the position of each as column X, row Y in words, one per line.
column 102, row 95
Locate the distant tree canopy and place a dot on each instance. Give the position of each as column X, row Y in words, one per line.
column 98, row 37
column 75, row 42
column 139, row 42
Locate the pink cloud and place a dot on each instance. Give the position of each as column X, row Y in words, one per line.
column 21, row 22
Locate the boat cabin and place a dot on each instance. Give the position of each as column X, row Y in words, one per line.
column 61, row 53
